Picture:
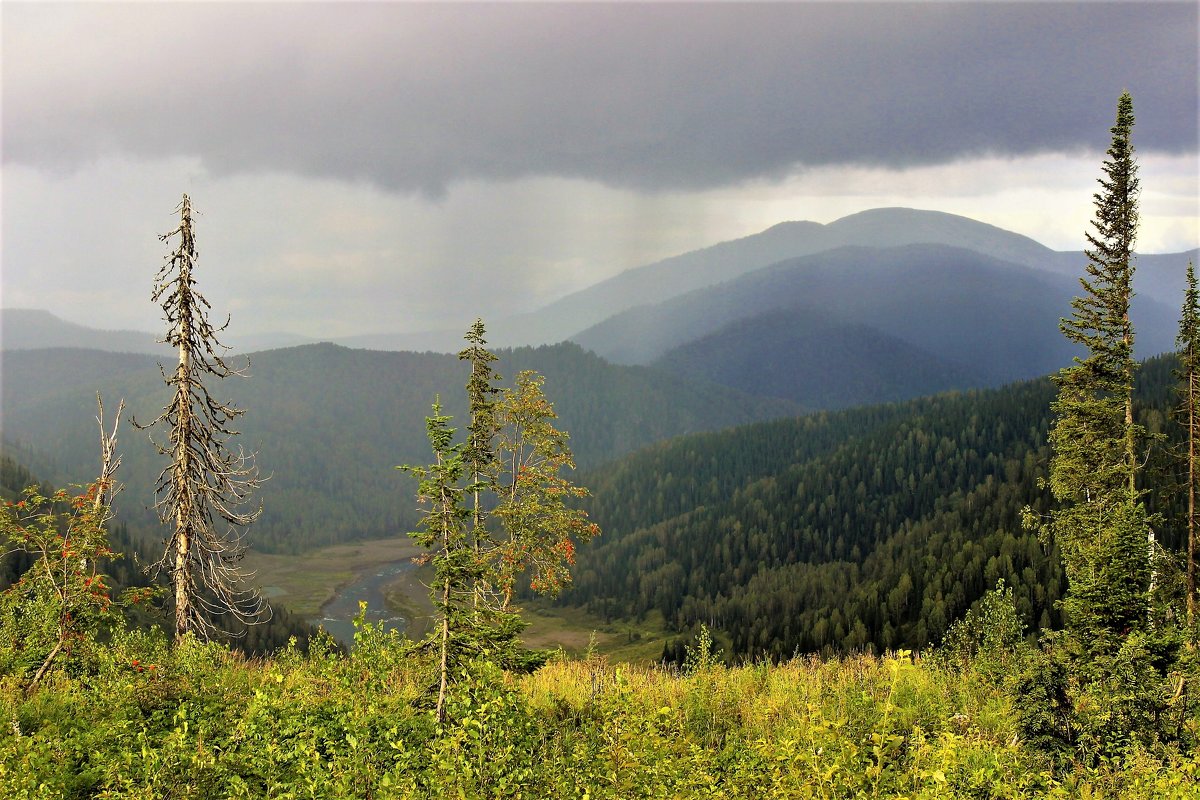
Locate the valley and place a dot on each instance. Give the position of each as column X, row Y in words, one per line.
column 790, row 341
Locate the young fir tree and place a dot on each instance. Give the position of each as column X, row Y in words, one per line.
column 1101, row 526
column 495, row 508
column 1189, row 416
column 481, row 432
column 206, row 483
column 495, row 627
column 444, row 533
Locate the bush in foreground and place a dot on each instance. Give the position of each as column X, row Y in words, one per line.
column 149, row 721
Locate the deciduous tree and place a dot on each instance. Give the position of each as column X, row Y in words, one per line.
column 539, row 526
column 62, row 601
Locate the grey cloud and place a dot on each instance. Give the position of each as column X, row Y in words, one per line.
column 663, row 96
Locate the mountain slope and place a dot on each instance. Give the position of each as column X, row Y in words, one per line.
column 677, row 275
column 32, row 329
column 834, row 531
column 997, row 319
column 819, row 362
column 35, row 329
column 1161, row 276
column 330, row 424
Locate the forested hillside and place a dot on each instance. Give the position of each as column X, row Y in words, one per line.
column 834, row 531
column 817, row 360
column 330, row 424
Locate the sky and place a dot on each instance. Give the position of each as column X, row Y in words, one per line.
column 372, row 167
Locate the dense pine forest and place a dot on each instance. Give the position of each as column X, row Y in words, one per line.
column 836, row 531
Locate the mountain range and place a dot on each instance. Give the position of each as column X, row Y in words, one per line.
column 881, row 305
column 995, row 320
column 1159, row 276
column 693, row 390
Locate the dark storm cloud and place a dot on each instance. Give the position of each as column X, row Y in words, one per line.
column 664, row 96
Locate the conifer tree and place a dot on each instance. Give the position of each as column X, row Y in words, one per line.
column 207, row 483
column 494, row 508
column 444, row 533
column 1189, row 415
column 478, row 455
column 494, row 627
column 1101, row 526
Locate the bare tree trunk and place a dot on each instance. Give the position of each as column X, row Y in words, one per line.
column 46, row 664
column 441, row 701
column 183, row 537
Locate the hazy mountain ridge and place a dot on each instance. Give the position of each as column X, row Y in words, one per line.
column 1160, row 276
column 36, row 329
column 996, row 319
column 330, row 424
column 804, row 355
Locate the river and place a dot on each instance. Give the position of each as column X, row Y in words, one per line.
column 337, row 615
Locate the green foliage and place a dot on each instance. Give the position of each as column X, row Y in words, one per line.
column 1094, row 439
column 873, row 527
column 204, row 722
column 55, row 611
column 990, row 638
column 1101, row 690
column 1188, row 414
column 702, row 656
column 540, row 528
column 496, row 508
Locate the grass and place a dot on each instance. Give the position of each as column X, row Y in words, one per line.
column 206, row 722
column 306, row 582
column 576, row 631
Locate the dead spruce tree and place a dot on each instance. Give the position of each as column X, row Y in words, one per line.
column 202, row 492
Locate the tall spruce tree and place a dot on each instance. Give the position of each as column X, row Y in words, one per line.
column 204, row 488
column 1188, row 343
column 1106, row 685
column 1101, row 525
